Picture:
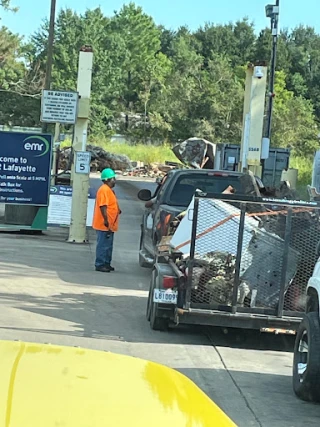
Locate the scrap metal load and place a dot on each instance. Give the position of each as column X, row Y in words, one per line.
column 269, row 260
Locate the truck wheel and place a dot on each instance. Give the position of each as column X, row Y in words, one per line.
column 151, row 288
column 306, row 361
column 142, row 261
column 157, row 323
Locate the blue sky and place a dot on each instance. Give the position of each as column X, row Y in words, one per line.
column 172, row 13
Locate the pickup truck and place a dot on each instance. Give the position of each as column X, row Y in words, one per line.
column 173, row 196
column 234, row 260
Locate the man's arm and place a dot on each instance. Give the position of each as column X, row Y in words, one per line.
column 103, row 210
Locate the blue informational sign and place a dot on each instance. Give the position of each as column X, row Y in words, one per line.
column 66, row 190
column 59, row 212
column 25, row 167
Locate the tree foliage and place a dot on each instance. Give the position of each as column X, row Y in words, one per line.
column 152, row 82
column 7, row 5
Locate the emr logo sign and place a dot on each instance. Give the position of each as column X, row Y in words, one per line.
column 37, row 145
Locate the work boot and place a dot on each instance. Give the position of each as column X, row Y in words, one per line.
column 109, row 267
column 103, row 269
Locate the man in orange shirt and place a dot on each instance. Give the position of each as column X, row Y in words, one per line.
column 105, row 221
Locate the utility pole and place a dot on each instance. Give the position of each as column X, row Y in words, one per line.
column 80, row 184
column 272, row 12
column 18, row 211
column 47, row 83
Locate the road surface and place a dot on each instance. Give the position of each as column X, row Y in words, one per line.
column 49, row 292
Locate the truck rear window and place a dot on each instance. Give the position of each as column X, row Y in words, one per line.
column 185, row 187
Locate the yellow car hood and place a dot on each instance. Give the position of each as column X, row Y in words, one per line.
column 45, row 385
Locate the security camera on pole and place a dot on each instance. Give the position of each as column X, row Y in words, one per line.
column 81, row 158
column 272, row 12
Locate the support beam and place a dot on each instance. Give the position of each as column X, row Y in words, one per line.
column 253, row 118
column 80, row 182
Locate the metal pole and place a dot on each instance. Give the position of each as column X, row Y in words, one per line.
column 236, row 282
column 285, row 260
column 274, row 32
column 192, row 251
column 55, row 155
column 47, row 83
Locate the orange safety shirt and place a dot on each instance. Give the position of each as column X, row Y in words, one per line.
column 106, row 197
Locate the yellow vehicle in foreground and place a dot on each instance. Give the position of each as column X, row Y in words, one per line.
column 43, row 385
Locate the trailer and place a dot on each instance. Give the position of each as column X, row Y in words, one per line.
column 236, row 261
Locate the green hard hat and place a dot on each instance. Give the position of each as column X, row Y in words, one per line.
column 107, row 174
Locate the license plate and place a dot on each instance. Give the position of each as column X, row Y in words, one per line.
column 277, row 331
column 162, row 296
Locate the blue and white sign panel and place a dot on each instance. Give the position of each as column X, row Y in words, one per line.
column 59, row 212
column 25, row 167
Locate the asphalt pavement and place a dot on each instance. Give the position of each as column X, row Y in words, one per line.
column 49, row 292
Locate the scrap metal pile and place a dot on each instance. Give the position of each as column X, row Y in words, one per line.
column 154, row 170
column 100, row 159
column 192, row 153
column 261, row 276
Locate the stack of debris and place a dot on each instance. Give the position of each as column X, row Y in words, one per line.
column 213, row 277
column 154, row 170
column 100, row 159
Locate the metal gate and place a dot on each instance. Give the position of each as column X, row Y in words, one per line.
column 251, row 255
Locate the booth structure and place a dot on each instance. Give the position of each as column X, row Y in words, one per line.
column 25, row 171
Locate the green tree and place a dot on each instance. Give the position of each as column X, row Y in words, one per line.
column 149, row 81
column 236, row 41
column 19, row 86
column 294, row 124
column 142, row 43
column 200, row 100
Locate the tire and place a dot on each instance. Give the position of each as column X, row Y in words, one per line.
column 157, row 323
column 142, row 261
column 306, row 360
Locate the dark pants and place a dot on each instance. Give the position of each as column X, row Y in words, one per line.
column 104, row 248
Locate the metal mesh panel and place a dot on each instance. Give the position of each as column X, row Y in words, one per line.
column 215, row 251
column 262, row 263
column 305, row 235
column 254, row 263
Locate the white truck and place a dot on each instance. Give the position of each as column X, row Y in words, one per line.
column 306, row 362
